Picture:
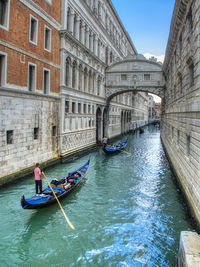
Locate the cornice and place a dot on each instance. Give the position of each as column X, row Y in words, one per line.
column 39, row 11
column 105, row 31
column 179, row 13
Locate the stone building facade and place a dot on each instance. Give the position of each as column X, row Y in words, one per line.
column 92, row 39
column 180, row 131
column 29, row 82
column 53, row 60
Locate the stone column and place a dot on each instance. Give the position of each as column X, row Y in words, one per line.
column 77, row 75
column 70, row 106
column 86, row 86
column 87, row 36
column 71, row 22
column 83, row 33
column 62, row 111
column 77, row 27
column 91, row 41
column 64, row 14
column 95, row 84
column 95, row 6
column 63, row 68
column 95, row 45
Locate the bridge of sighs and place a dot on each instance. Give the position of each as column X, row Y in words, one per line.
column 134, row 73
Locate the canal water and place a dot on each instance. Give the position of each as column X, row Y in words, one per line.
column 127, row 212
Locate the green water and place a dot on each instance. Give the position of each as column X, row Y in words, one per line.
column 127, row 212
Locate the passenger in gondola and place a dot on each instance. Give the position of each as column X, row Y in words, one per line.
column 38, row 178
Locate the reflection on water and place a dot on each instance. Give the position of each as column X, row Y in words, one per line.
column 127, row 212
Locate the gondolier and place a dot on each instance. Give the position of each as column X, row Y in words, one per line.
column 105, row 141
column 38, row 178
column 61, row 188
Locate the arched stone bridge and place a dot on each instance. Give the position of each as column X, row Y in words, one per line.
column 134, row 73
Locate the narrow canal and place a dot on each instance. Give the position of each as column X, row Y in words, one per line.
column 127, row 212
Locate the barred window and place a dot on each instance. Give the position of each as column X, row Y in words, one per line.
column 9, row 137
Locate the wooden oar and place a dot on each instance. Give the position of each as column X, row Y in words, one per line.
column 124, row 151
column 67, row 220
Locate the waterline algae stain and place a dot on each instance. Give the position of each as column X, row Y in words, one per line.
column 127, row 212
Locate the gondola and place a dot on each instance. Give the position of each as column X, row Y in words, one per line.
column 141, row 129
column 115, row 148
column 61, row 189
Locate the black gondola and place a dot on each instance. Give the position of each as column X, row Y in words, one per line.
column 141, row 130
column 115, row 148
column 61, row 189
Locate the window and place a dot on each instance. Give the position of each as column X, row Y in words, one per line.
column 9, row 137
column 180, row 45
column 73, row 107
column 54, row 131
column 47, row 38
column 3, row 60
column 146, row 77
column 33, row 30
column 31, row 77
column 46, row 81
column 123, row 77
column 190, row 20
column 79, row 107
column 84, row 108
column 4, row 13
column 178, row 136
column 36, row 133
column 188, row 145
column 66, row 106
column 191, row 74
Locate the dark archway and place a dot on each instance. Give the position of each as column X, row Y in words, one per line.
column 98, row 125
column 105, row 121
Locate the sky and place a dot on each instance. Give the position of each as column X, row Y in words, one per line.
column 147, row 23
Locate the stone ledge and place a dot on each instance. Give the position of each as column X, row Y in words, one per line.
column 5, row 180
column 189, row 250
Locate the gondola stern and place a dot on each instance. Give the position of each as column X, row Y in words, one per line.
column 23, row 201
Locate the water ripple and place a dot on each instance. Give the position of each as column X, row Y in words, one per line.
column 128, row 212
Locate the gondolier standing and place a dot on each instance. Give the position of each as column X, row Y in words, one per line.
column 105, row 141
column 38, row 178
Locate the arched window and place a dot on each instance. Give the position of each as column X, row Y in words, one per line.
column 191, row 71
column 80, row 31
column 90, row 81
column 80, row 78
column 111, row 57
column 85, row 79
column 107, row 55
column 75, row 18
column 93, row 82
column 74, row 72
column 98, row 85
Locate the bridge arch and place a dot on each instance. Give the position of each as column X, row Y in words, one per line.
column 134, row 73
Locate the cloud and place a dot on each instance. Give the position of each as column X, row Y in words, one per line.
column 159, row 58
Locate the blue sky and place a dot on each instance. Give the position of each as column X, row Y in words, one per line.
column 147, row 22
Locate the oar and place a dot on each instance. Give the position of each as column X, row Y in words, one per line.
column 67, row 220
column 124, row 151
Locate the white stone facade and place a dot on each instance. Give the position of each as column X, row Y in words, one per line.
column 66, row 109
column 30, row 124
column 180, row 129
column 92, row 38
